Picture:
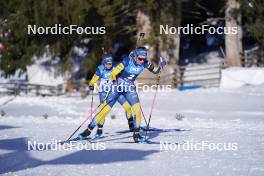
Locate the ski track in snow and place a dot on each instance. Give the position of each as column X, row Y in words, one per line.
column 213, row 115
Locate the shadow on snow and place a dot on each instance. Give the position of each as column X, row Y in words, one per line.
column 20, row 158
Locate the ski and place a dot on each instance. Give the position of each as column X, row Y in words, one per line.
column 155, row 130
column 74, row 139
column 167, row 130
column 149, row 142
column 161, row 142
column 95, row 138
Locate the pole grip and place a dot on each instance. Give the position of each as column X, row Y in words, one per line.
column 161, row 59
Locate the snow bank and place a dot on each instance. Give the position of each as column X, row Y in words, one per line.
column 237, row 77
column 44, row 72
column 39, row 75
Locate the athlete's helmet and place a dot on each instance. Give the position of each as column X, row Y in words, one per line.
column 107, row 59
column 142, row 52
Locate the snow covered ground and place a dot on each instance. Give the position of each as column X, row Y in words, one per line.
column 233, row 116
column 236, row 77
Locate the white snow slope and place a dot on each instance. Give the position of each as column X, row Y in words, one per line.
column 236, row 77
column 213, row 115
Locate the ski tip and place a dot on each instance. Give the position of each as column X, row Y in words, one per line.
column 69, row 140
column 97, row 137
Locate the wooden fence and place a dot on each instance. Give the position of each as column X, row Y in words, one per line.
column 205, row 75
column 18, row 87
column 253, row 57
column 202, row 75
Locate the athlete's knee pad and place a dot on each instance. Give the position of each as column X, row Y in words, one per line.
column 137, row 113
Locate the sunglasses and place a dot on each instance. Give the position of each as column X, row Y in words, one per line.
column 108, row 63
column 141, row 59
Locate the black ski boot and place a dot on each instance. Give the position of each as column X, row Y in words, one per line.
column 86, row 132
column 131, row 124
column 99, row 131
column 139, row 138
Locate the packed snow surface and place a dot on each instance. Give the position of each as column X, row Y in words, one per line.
column 215, row 116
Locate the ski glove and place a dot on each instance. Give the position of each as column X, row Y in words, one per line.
column 91, row 87
column 112, row 78
column 116, row 71
column 162, row 64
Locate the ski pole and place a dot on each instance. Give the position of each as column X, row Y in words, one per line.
column 153, row 102
column 143, row 116
column 141, row 36
column 152, row 106
column 92, row 103
column 90, row 116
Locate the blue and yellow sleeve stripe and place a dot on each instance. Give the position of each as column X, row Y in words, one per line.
column 116, row 71
column 153, row 69
column 94, row 79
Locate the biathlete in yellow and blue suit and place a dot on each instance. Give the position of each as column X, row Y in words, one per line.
column 123, row 77
column 102, row 74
